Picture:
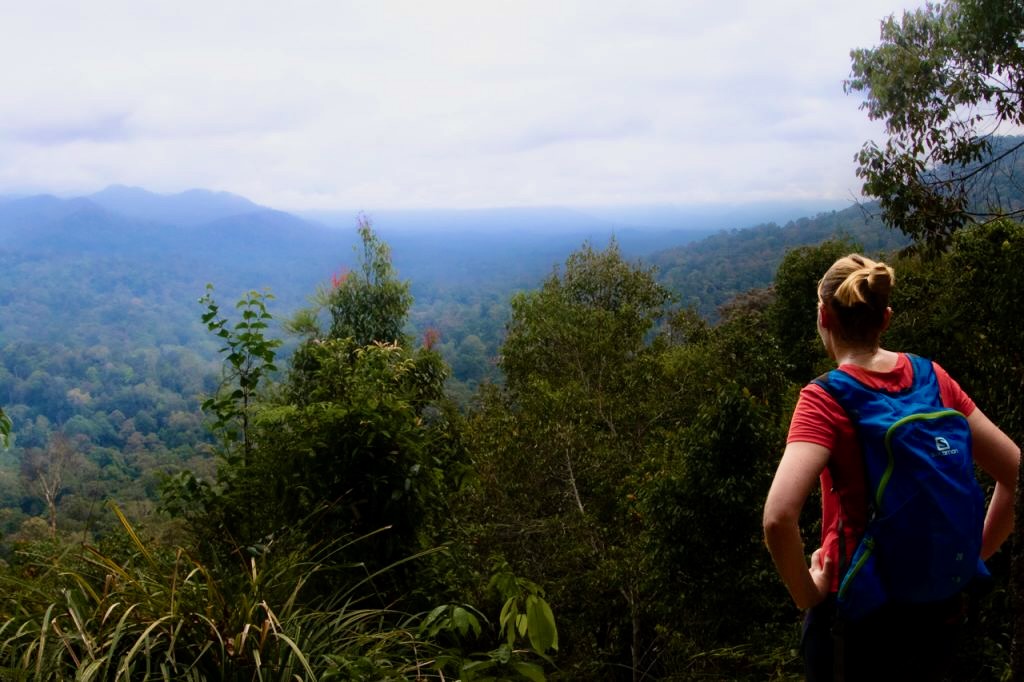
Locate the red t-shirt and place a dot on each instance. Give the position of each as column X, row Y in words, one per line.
column 819, row 419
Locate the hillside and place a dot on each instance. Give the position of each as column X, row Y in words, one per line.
column 710, row 272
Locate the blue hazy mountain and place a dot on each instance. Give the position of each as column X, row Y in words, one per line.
column 504, row 248
column 126, row 247
column 196, row 222
column 523, row 244
column 190, row 208
column 672, row 218
column 24, row 213
column 145, row 257
column 234, row 242
column 529, row 220
column 124, row 268
column 47, row 224
column 5, row 198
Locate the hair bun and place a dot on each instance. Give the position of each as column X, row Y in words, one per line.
column 880, row 279
column 857, row 290
column 869, row 283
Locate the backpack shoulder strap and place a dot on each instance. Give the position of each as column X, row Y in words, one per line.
column 924, row 376
column 844, row 389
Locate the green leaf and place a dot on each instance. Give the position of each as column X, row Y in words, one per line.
column 530, row 671
column 475, row 667
column 433, row 615
column 542, row 631
column 522, row 624
column 465, row 621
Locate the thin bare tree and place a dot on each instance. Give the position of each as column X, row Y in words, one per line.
column 43, row 469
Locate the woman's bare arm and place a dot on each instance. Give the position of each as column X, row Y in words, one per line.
column 796, row 476
column 999, row 457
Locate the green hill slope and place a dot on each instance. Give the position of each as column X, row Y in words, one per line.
column 709, row 273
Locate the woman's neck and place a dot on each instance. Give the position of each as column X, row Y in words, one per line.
column 871, row 358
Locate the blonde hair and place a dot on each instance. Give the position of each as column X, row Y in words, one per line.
column 856, row 290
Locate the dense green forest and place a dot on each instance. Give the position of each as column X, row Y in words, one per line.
column 107, row 345
column 610, row 487
column 545, row 465
column 609, row 482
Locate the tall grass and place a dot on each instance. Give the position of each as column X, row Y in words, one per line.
column 158, row 614
column 145, row 612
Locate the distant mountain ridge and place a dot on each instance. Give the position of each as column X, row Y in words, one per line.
column 133, row 221
column 225, row 233
column 111, row 270
column 140, row 260
column 225, row 240
column 190, row 208
column 229, row 239
column 127, row 218
column 46, row 224
column 659, row 218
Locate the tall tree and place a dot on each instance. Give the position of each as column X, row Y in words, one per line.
column 44, row 469
column 623, row 465
column 360, row 430
column 560, row 447
column 944, row 79
column 355, row 443
column 369, row 303
column 248, row 362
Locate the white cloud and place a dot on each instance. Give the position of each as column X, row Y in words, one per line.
column 451, row 103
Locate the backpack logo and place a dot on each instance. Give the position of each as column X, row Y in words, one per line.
column 943, row 448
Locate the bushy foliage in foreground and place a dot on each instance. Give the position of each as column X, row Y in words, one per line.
column 134, row 611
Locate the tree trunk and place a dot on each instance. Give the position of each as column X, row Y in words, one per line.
column 51, row 505
column 634, row 616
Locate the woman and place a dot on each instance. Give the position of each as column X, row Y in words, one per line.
column 896, row 642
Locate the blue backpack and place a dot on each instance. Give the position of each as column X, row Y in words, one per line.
column 926, row 510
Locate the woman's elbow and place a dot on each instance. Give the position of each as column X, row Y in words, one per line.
column 994, row 451
column 1007, row 470
column 777, row 520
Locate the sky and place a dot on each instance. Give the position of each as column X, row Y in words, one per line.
column 389, row 104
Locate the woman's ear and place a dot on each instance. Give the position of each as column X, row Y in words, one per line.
column 823, row 318
column 885, row 318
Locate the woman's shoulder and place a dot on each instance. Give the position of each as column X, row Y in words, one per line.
column 953, row 395
column 818, row 418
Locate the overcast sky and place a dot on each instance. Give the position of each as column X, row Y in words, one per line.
column 440, row 103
